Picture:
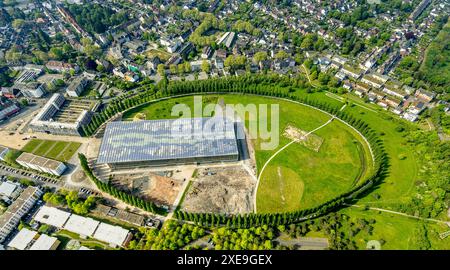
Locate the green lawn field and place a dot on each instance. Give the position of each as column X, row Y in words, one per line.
column 403, row 171
column 397, row 231
column 299, row 178
column 57, row 150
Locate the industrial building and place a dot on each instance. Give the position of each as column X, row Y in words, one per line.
column 85, row 227
column 168, row 142
column 10, row 219
column 31, row 240
column 63, row 116
column 41, row 164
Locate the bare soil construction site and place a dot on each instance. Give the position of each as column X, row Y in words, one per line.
column 155, row 186
column 220, row 190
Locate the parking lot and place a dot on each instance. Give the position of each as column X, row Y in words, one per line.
column 19, row 173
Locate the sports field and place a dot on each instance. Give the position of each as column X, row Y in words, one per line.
column 298, row 177
column 57, row 150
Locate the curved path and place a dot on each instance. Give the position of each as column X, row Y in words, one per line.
column 279, row 151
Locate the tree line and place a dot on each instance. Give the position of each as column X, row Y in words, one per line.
column 117, row 193
column 267, row 85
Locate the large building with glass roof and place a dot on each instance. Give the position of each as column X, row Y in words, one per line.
column 168, row 142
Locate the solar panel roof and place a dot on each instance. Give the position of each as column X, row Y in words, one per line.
column 152, row 140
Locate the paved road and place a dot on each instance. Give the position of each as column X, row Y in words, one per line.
column 305, row 242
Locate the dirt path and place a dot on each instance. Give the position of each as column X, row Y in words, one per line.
column 283, row 200
column 402, row 214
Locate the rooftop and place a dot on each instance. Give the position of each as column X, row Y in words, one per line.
column 52, row 216
column 111, row 234
column 39, row 161
column 22, row 239
column 81, row 225
column 167, row 139
column 7, row 188
column 44, row 242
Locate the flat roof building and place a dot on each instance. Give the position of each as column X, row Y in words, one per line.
column 62, row 116
column 168, row 142
column 41, row 164
column 9, row 190
column 85, row 227
column 76, row 87
column 113, row 235
column 81, row 225
column 45, row 242
column 23, row 239
column 52, row 216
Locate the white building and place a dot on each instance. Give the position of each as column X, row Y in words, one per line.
column 9, row 190
column 52, row 216
column 41, row 164
column 31, row 240
column 23, row 239
column 45, row 242
column 31, row 89
column 113, row 235
column 83, row 226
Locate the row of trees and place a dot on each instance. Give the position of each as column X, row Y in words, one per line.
column 251, row 85
column 269, row 85
column 71, row 200
column 172, row 236
column 116, row 193
column 119, row 105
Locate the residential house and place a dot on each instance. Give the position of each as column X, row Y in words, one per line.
column 76, row 87
column 425, row 95
column 206, row 52
column 11, row 218
column 394, row 89
column 417, row 108
column 59, row 66
column 372, row 81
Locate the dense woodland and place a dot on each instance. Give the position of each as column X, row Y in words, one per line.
column 435, row 68
column 96, row 18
